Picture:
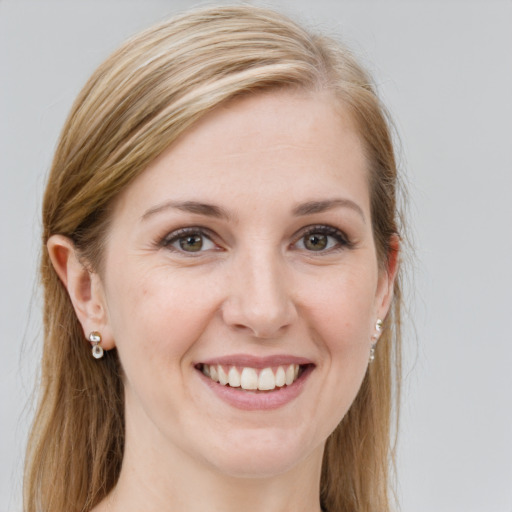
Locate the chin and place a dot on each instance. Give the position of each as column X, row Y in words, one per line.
column 263, row 453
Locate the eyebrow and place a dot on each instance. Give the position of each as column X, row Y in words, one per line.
column 196, row 207
column 210, row 210
column 312, row 207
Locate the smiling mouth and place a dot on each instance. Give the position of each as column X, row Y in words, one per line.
column 253, row 379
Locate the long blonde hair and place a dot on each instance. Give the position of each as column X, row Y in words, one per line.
column 133, row 107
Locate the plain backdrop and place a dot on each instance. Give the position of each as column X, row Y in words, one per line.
column 445, row 71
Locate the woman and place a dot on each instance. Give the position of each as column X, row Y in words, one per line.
column 221, row 237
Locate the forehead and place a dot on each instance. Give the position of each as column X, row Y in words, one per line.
column 294, row 142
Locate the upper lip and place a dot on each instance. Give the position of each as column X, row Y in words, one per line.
column 247, row 360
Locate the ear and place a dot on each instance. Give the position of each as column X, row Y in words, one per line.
column 84, row 287
column 387, row 279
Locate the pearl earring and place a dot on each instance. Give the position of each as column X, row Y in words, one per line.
column 375, row 338
column 95, row 339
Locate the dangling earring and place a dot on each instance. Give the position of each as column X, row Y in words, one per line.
column 375, row 338
column 95, row 339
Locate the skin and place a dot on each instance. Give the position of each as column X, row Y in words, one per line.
column 256, row 287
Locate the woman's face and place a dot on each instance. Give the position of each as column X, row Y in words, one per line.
column 245, row 254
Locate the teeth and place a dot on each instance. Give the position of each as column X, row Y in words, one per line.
column 223, row 378
column 290, row 374
column 234, row 377
column 266, row 380
column 280, row 377
column 249, row 378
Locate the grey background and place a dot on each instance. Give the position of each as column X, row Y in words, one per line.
column 445, row 71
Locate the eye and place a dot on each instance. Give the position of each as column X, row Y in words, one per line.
column 322, row 239
column 189, row 240
column 316, row 242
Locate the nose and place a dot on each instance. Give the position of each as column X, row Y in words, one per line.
column 260, row 299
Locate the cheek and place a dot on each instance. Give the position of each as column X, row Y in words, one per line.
column 344, row 308
column 156, row 323
column 155, row 319
column 341, row 312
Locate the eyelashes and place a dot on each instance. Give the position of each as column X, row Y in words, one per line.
column 190, row 240
column 322, row 238
column 196, row 240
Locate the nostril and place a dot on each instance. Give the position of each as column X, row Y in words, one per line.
column 258, row 331
column 264, row 309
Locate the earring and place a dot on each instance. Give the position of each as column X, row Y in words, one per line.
column 375, row 338
column 95, row 339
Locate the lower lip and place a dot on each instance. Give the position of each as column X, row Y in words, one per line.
column 258, row 400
